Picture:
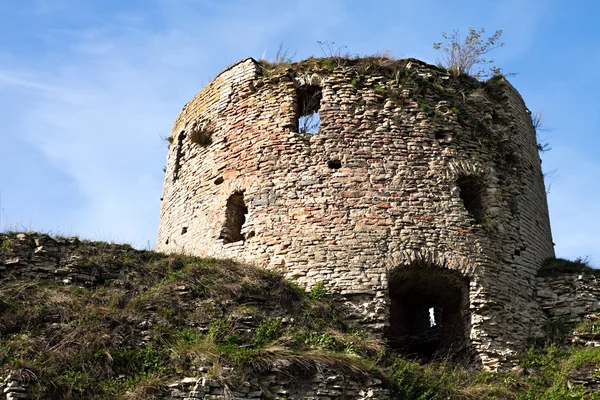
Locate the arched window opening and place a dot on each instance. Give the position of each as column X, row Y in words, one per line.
column 235, row 217
column 473, row 195
column 309, row 102
column 429, row 313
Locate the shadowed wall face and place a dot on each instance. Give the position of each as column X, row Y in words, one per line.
column 403, row 164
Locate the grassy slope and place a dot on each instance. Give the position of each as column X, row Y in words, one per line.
column 169, row 317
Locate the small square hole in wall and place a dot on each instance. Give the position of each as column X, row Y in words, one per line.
column 334, row 164
column 309, row 102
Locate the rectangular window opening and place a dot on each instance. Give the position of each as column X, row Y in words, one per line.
column 309, row 103
column 235, row 218
column 472, row 193
column 431, row 317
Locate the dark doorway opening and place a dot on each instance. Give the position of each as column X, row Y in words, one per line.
column 429, row 313
column 235, row 217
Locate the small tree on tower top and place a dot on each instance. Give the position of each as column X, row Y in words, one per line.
column 468, row 57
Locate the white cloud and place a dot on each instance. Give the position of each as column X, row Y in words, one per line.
column 8, row 79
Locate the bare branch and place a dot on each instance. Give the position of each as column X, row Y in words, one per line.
column 462, row 57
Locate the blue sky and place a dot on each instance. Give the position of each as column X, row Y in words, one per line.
column 88, row 88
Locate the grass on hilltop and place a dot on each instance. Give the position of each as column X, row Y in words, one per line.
column 168, row 317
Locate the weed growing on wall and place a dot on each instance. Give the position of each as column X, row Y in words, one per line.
column 201, row 136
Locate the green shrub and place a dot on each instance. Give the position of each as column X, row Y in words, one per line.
column 328, row 63
column 408, row 381
column 549, row 369
column 589, row 326
column 443, row 89
column 138, row 361
column 189, row 337
column 381, row 90
column 324, row 341
column 75, row 381
column 220, row 329
column 318, row 292
column 267, row 331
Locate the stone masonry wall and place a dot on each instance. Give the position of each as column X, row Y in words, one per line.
column 375, row 192
column 571, row 302
column 568, row 298
column 31, row 256
column 325, row 385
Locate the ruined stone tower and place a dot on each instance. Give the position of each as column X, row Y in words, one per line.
column 414, row 195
